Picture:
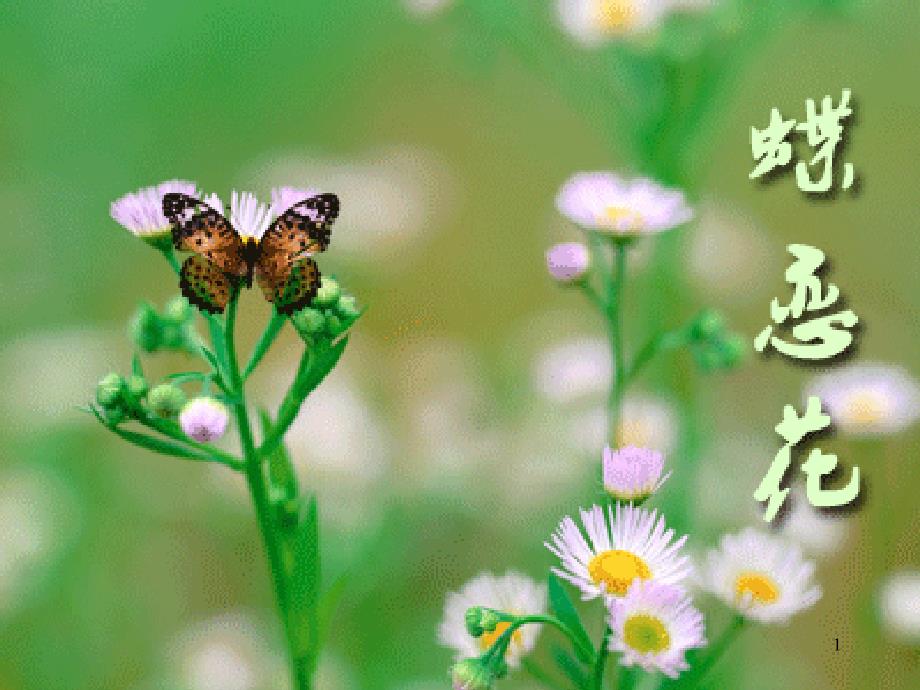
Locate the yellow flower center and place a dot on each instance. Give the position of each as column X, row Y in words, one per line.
column 614, row 16
column 762, row 589
column 866, row 408
column 646, row 634
column 616, row 569
column 635, row 433
column 615, row 217
column 488, row 638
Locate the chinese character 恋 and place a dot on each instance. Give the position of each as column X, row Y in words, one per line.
column 818, row 338
column 793, row 429
column 823, row 131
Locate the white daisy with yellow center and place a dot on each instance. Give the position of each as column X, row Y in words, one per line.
column 510, row 593
column 763, row 577
column 591, row 22
column 623, row 207
column 622, row 546
column 868, row 398
column 654, row 625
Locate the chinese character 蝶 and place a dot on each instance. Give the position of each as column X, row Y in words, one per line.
column 793, row 429
column 822, row 337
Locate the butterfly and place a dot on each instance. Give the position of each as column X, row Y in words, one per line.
column 281, row 260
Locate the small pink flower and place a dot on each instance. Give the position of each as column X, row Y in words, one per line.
column 204, row 419
column 141, row 212
column 631, row 473
column 567, row 262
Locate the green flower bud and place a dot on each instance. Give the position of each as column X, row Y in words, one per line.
column 137, row 387
column 308, row 320
column 109, row 391
column 347, row 308
column 115, row 415
column 733, row 348
column 172, row 336
column 334, row 325
column 177, row 310
column 328, row 293
column 472, row 674
column 481, row 620
column 708, row 325
column 166, row 400
column 145, row 329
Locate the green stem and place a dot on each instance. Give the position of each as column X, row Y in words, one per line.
column 172, row 431
column 255, row 478
column 597, row 682
column 717, row 650
column 500, row 645
column 615, row 321
column 625, row 678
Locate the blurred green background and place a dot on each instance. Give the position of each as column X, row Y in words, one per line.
column 437, row 448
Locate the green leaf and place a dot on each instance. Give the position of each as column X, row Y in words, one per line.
column 304, row 584
column 281, row 475
column 574, row 671
column 183, row 376
column 565, row 611
column 136, row 368
column 328, row 605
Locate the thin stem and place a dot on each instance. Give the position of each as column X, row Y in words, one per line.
column 265, row 342
column 615, row 321
column 500, row 645
column 717, row 650
column 597, row 682
column 257, row 488
column 625, row 678
column 170, row 430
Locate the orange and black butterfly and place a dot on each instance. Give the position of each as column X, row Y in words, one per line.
column 281, row 260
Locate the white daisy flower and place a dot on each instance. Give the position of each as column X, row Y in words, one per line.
column 591, row 22
column 248, row 216
column 631, row 473
column 511, row 593
column 141, row 212
column 868, row 398
column 653, row 625
column 608, row 203
column 762, row 576
column 621, row 547
column 899, row 605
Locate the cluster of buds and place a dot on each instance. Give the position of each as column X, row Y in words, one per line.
column 480, row 673
column 121, row 398
column 713, row 346
column 331, row 313
column 172, row 329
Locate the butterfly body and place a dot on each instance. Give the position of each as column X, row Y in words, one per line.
column 281, row 260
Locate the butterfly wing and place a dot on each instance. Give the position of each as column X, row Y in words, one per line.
column 204, row 284
column 290, row 289
column 196, row 227
column 285, row 272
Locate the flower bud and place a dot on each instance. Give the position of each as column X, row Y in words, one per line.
column 145, row 328
column 109, row 390
column 309, row 321
column 137, row 387
column 166, row 399
column 631, row 473
column 481, row 620
column 203, row 419
column 472, row 674
column 708, row 324
column 709, row 358
column 347, row 308
column 172, row 336
column 733, row 348
column 328, row 293
column 334, row 325
column 115, row 415
column 568, row 262
column 177, row 310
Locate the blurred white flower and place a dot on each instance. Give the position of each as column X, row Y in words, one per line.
column 729, row 256
column 38, row 514
column 49, row 374
column 392, row 199
column 511, row 593
column 647, row 421
column 816, row 532
column 590, row 22
column 621, row 207
column 899, row 605
column 621, row 547
column 654, row 625
column 426, row 8
column 868, row 398
column 761, row 576
column 573, row 369
column 227, row 652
